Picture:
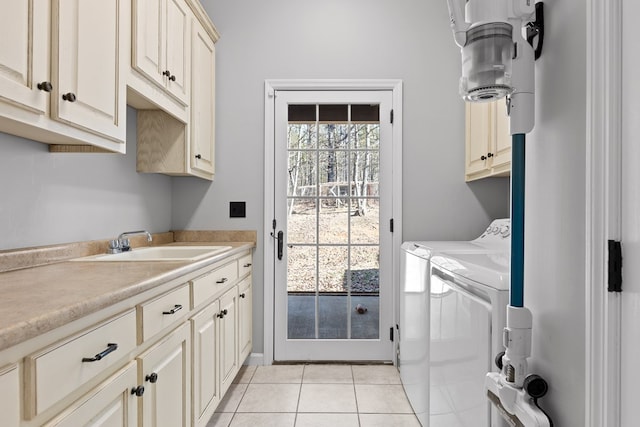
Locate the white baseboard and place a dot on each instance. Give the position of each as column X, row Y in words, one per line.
column 255, row 359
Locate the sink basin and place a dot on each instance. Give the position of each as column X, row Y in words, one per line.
column 161, row 253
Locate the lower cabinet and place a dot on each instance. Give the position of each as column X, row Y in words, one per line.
column 10, row 396
column 165, row 372
column 166, row 360
column 228, row 338
column 206, row 386
column 245, row 318
column 111, row 404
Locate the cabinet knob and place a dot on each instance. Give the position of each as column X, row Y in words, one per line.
column 242, row 295
column 172, row 78
column 483, row 157
column 138, row 391
column 490, row 155
column 222, row 313
column 166, row 73
column 45, row 86
column 152, row 378
column 70, row 97
column 198, row 156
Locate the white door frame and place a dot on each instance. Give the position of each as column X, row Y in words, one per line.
column 603, row 210
column 269, row 248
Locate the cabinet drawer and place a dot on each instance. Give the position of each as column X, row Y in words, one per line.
column 62, row 368
column 161, row 312
column 206, row 286
column 244, row 265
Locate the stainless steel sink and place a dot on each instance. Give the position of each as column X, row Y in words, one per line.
column 160, row 253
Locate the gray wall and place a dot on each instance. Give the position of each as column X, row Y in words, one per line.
column 555, row 213
column 289, row 39
column 49, row 198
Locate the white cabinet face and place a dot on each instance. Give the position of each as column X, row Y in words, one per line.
column 24, row 57
column 110, row 405
column 87, row 64
column 202, row 101
column 165, row 370
column 10, row 396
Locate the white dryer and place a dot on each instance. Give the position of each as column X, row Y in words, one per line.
column 469, row 294
column 415, row 301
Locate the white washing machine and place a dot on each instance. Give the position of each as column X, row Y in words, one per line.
column 415, row 301
column 468, row 299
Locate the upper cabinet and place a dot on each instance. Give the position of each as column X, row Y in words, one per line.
column 203, row 77
column 488, row 142
column 24, row 65
column 172, row 140
column 62, row 75
column 161, row 45
column 87, row 68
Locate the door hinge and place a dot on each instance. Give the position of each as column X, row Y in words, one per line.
column 391, row 225
column 615, row 266
column 391, row 333
column 391, row 117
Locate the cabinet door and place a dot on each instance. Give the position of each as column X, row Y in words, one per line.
column 87, row 66
column 202, row 101
column 177, row 41
column 165, row 371
column 478, row 134
column 111, row 404
column 206, row 393
column 10, row 396
column 147, row 50
column 501, row 149
column 24, row 57
column 245, row 307
column 228, row 338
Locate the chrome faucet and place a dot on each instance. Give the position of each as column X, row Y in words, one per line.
column 122, row 244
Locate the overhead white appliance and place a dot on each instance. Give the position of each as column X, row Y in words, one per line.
column 415, row 302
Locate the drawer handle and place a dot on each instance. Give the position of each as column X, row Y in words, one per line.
column 152, row 378
column 242, row 295
column 224, row 279
column 222, row 313
column 138, row 391
column 247, row 265
column 175, row 309
column 111, row 347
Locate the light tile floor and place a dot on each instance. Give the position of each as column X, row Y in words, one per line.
column 315, row 396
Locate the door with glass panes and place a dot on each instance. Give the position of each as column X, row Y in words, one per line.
column 333, row 257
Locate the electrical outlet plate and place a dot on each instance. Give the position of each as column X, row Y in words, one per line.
column 237, row 209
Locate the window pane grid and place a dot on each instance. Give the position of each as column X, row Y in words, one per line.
column 333, row 168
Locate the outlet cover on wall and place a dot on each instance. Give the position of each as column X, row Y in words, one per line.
column 237, row 209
